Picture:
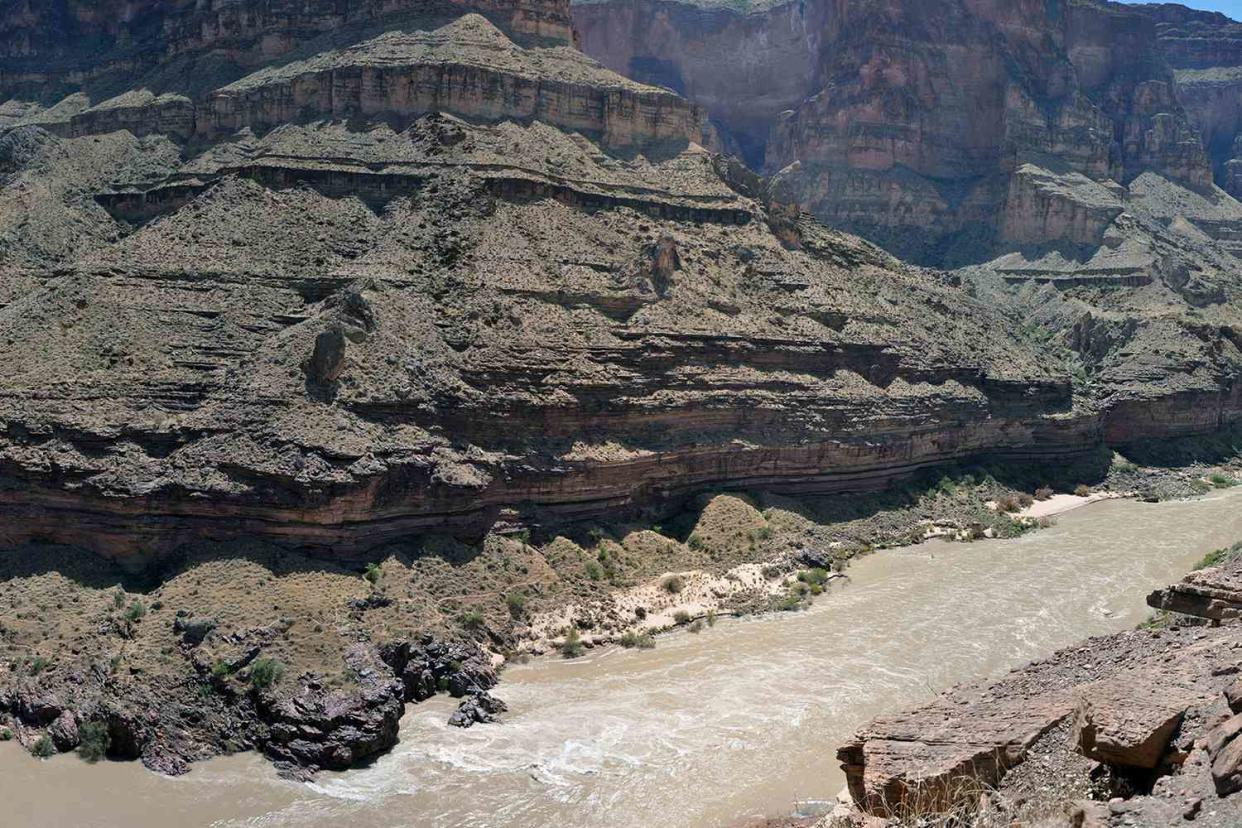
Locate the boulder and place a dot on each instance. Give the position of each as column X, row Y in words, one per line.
column 480, row 708
column 1129, row 719
column 1225, row 750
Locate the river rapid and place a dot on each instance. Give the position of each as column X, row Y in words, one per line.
column 742, row 720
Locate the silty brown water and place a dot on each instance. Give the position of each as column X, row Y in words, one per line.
column 705, row 730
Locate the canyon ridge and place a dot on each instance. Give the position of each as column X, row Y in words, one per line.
column 480, row 295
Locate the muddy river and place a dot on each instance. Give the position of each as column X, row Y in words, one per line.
column 741, row 720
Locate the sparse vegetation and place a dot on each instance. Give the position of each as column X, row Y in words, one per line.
column 135, row 612
column 711, row 618
column 516, row 602
column 265, row 672
column 572, row 646
column 1220, row 556
column 94, row 741
column 696, row 543
column 43, row 748
column 641, row 641
column 594, row 571
column 471, row 619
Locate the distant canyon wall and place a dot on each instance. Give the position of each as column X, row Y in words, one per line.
column 907, row 121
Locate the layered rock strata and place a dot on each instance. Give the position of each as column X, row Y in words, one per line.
column 439, row 276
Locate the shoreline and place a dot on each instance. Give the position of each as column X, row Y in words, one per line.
column 608, row 590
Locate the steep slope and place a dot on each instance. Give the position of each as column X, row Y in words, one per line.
column 434, row 279
column 1205, row 51
column 1041, row 148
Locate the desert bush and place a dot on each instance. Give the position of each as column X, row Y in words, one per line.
column 94, row 741
column 1043, row 493
column 372, row 572
column 572, row 646
column 43, row 748
column 516, row 602
column 265, row 672
column 1082, row 490
column 642, row 641
column 681, row 617
column 674, row 584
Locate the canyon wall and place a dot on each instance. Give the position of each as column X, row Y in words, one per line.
column 907, row 121
column 401, row 270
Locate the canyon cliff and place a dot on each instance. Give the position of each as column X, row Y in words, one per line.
column 335, row 274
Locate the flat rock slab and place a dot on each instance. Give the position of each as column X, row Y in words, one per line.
column 927, row 759
column 1126, row 692
column 1128, row 720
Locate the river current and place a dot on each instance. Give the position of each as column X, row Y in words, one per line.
column 742, row 720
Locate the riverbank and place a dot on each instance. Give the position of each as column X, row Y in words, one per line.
column 247, row 646
column 735, row 723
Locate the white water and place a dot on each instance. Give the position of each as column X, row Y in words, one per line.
column 705, row 730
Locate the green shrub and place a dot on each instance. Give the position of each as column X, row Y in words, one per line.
column 1221, row 481
column 816, row 576
column 516, row 602
column 372, row 572
column 790, row 603
column 221, row 669
column 711, row 618
column 572, row 646
column 594, row 571
column 761, row 534
column 642, row 641
column 1200, row 486
column 674, row 584
column 43, row 748
column 6, row 735
column 118, row 599
column 38, row 664
column 681, row 617
column 95, row 741
column 471, row 619
column 265, row 672
column 135, row 611
column 1220, row 556
column 696, row 543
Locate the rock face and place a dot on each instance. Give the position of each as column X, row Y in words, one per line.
column 907, row 121
column 392, row 273
column 1205, row 51
column 1123, row 698
column 1128, row 720
column 1156, row 709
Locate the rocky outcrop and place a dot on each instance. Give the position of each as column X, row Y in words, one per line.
column 1133, row 702
column 1155, row 709
column 1128, row 720
column 1214, row 593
